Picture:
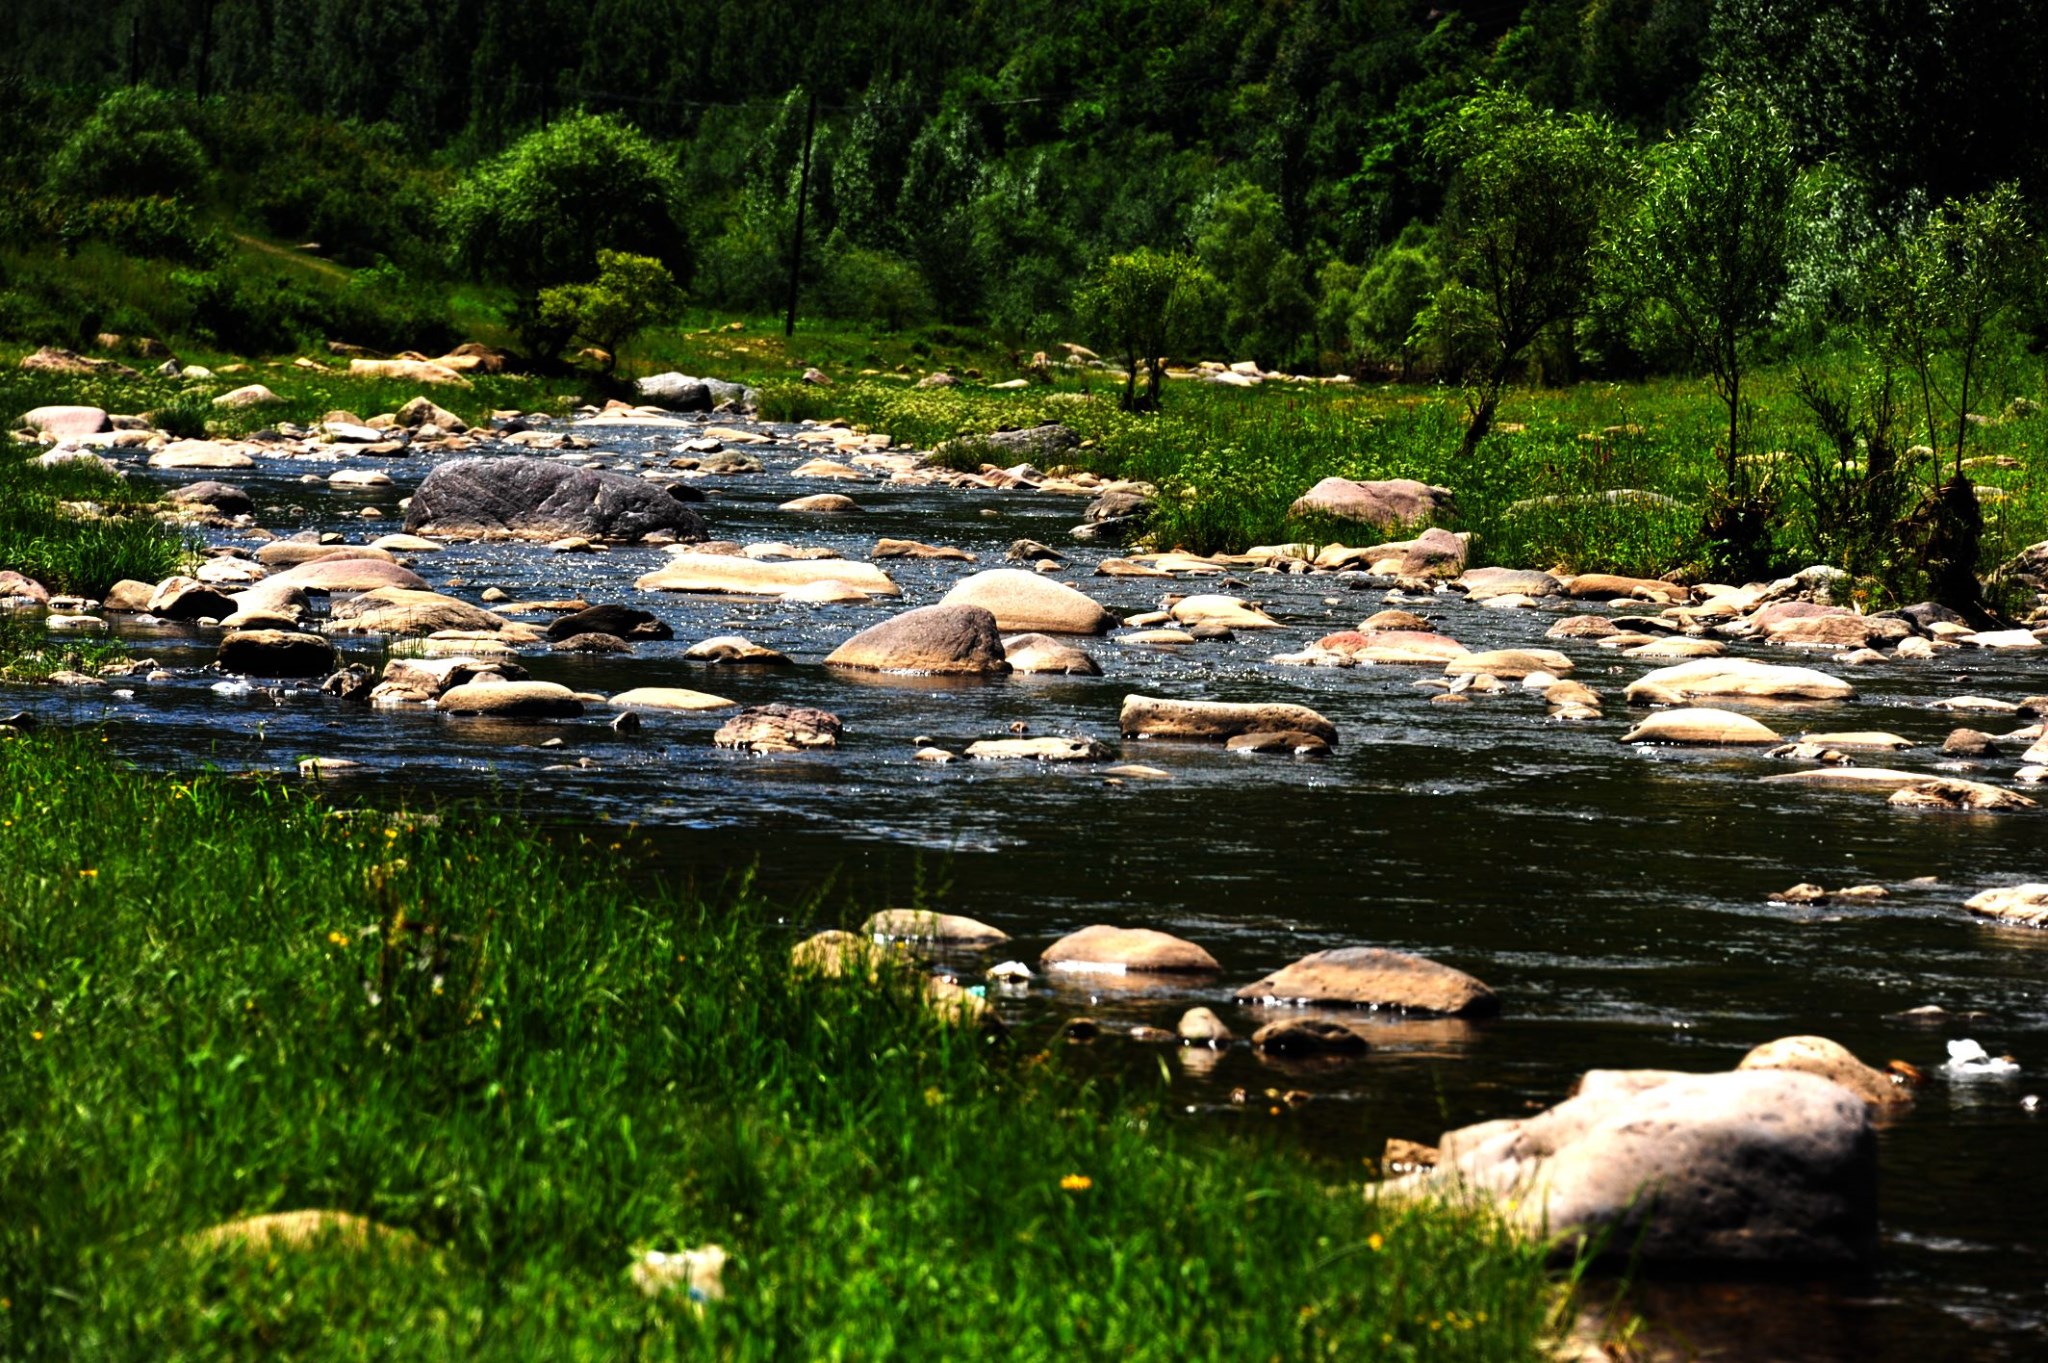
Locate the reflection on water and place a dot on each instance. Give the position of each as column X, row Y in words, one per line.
column 1618, row 900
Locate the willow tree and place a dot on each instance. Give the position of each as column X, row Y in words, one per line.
column 1531, row 195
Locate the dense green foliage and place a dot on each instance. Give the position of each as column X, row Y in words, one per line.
column 535, row 1065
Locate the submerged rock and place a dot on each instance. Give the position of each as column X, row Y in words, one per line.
column 545, row 499
column 1701, row 727
column 276, row 653
column 731, row 574
column 1040, row 750
column 624, row 622
column 942, row 640
column 512, row 700
column 1157, row 717
column 777, row 728
column 1041, row 653
column 1309, row 1036
column 2023, row 904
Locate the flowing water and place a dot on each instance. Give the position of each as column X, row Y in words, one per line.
column 1618, row 899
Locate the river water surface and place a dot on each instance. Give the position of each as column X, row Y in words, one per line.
column 1618, row 899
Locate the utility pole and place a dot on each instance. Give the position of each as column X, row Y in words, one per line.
column 803, row 194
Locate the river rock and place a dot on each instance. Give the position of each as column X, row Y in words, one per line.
column 822, row 503
column 1972, row 796
column 624, row 622
column 1701, row 727
column 1610, row 587
column 521, row 497
column 341, row 573
column 1104, row 949
column 185, row 598
column 888, row 548
column 396, row 610
column 668, row 698
column 221, row 498
column 1227, row 611
column 1055, row 749
column 1509, row 664
column 1201, row 1026
column 941, row 639
column 1483, row 584
column 1290, row 742
column 1846, row 631
column 276, row 653
column 1848, row 778
column 830, row 591
column 1736, row 677
column 591, row 643
column 1969, row 743
column 127, row 596
column 731, row 574
column 1388, row 504
column 17, row 588
column 1832, row 1061
column 511, row 700
column 1041, row 653
column 1672, row 650
column 1026, row 603
column 1394, row 620
column 1158, row 717
column 65, row 423
column 293, row 552
column 777, row 728
column 1374, row 977
column 1309, row 1036
column 2024, row 904
column 732, row 648
column 1395, row 647
column 1743, row 1169
column 418, row 680
column 924, row 925
column 199, row 454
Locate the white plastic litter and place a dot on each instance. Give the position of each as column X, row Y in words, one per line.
column 1968, row 1060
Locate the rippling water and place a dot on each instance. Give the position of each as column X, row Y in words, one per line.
column 1617, row 899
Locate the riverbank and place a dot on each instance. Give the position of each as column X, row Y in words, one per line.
column 530, row 1065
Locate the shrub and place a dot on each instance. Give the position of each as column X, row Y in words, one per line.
column 630, row 293
column 154, row 227
column 135, row 145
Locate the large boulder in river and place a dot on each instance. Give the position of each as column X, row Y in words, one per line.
column 943, row 639
column 2023, row 904
column 1737, row 677
column 347, row 574
column 1387, row 504
column 544, row 499
column 777, row 728
column 65, row 423
column 292, row 552
column 512, row 700
column 1026, row 602
column 1104, row 949
column 1738, row 1170
column 1041, row 653
column 1219, row 721
column 276, row 653
column 1373, row 977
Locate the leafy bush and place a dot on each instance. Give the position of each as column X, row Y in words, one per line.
column 386, row 308
column 630, row 293
column 135, row 145
column 154, row 227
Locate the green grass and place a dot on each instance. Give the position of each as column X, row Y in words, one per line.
column 220, row 998
column 83, row 554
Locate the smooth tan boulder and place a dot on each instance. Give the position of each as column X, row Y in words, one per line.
column 1668, row 650
column 1700, row 727
column 1610, row 587
column 199, row 454
column 1027, row 603
column 1509, row 664
column 1041, row 653
column 1848, row 778
column 1201, row 1026
column 1395, row 647
column 1738, row 677
column 734, row 649
column 1394, row 620
column 889, row 548
column 340, row 574
column 668, row 698
column 1104, row 949
column 292, row 553
column 1386, row 503
column 1218, row 721
column 1055, row 749
column 831, row 591
column 1582, row 627
column 1227, row 611
column 2023, row 904
column 418, row 680
column 1374, row 977
column 413, row 371
column 396, row 610
column 925, row 925
column 822, row 504
column 730, row 574
column 942, row 639
column 511, row 700
column 1485, row 584
column 1832, row 1061
column 1861, row 738
column 399, row 542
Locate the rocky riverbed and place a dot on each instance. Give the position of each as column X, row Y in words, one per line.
column 1663, row 827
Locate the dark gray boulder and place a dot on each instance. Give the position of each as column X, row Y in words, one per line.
column 623, row 622
column 525, row 498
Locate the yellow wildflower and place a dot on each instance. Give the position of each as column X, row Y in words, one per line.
column 1076, row 1183
column 1375, row 1242
column 339, row 939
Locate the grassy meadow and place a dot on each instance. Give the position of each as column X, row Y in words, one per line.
column 530, row 1063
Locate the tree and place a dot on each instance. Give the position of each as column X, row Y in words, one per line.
column 630, row 294
column 1531, row 194
column 1134, row 303
column 1390, row 298
column 1711, row 240
column 537, row 216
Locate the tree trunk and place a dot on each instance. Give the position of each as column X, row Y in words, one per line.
column 1482, row 411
